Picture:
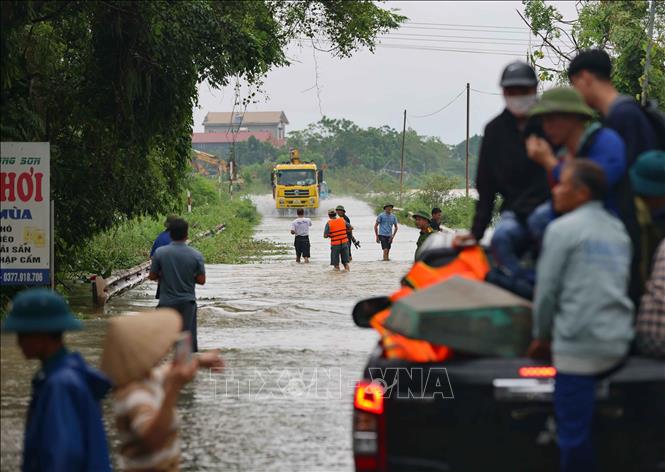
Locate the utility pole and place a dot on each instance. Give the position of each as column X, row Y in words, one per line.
column 401, row 166
column 647, row 62
column 467, row 138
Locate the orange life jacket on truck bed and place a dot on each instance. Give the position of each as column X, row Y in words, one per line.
column 471, row 263
column 337, row 231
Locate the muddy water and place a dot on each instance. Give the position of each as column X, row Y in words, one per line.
column 291, row 349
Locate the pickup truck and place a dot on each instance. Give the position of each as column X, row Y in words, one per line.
column 475, row 413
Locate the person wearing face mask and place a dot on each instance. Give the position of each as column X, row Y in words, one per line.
column 505, row 169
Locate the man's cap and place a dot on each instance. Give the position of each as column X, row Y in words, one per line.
column 39, row 310
column 562, row 100
column 332, row 211
column 518, row 74
column 420, row 214
column 388, row 205
column 340, row 208
column 647, row 175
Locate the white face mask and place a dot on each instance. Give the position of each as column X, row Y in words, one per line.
column 520, row 105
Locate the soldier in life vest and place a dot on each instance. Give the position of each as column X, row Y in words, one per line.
column 337, row 230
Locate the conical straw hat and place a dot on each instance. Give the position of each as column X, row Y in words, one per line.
column 135, row 344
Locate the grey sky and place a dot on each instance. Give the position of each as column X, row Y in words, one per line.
column 374, row 89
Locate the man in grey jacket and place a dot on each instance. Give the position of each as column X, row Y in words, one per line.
column 581, row 304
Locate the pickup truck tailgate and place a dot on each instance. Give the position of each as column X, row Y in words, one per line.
column 481, row 414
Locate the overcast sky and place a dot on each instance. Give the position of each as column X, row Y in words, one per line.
column 374, row 89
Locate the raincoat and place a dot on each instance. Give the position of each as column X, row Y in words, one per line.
column 64, row 429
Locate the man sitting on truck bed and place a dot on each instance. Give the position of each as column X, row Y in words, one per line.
column 581, row 304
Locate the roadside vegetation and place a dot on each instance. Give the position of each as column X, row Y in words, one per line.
column 435, row 191
column 128, row 242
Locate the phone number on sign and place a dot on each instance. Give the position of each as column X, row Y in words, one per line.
column 22, row 277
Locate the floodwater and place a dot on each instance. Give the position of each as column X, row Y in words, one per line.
column 292, row 353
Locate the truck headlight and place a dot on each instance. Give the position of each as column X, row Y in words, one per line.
column 282, row 201
column 312, row 200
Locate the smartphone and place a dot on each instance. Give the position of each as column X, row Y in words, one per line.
column 183, row 348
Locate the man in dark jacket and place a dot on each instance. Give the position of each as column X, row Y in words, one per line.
column 64, row 428
column 590, row 73
column 505, row 169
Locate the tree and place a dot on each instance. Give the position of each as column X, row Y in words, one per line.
column 111, row 85
column 619, row 27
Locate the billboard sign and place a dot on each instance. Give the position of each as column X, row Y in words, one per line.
column 25, row 214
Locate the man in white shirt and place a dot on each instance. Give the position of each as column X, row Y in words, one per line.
column 300, row 228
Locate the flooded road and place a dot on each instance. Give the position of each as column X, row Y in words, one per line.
column 291, row 349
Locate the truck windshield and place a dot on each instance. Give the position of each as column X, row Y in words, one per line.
column 296, row 177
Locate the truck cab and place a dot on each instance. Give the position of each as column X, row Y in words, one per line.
column 296, row 184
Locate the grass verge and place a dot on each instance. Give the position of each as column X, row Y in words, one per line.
column 128, row 243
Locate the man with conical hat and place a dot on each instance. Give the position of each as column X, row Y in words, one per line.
column 64, row 429
column 145, row 390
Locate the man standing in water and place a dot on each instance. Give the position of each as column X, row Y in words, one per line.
column 341, row 212
column 178, row 268
column 337, row 230
column 383, row 229
column 300, row 228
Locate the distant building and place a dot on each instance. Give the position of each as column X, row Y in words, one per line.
column 222, row 129
column 273, row 122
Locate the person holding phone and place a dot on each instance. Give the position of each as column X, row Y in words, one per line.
column 146, row 389
column 178, row 268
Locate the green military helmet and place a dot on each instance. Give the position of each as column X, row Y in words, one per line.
column 340, row 208
column 421, row 214
column 562, row 100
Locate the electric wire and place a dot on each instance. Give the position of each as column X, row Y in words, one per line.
column 442, row 108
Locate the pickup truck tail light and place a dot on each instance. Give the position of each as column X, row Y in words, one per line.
column 542, row 372
column 369, row 427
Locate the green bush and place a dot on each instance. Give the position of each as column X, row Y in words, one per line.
column 128, row 242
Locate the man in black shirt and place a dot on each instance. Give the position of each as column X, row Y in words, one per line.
column 505, row 169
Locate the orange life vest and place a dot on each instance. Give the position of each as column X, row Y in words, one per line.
column 471, row 264
column 337, row 231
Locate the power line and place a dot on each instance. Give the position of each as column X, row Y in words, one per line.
column 422, row 35
column 442, row 108
column 467, row 25
column 452, row 28
column 497, row 52
column 464, row 41
column 485, row 93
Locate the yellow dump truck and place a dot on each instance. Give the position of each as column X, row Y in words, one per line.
column 296, row 184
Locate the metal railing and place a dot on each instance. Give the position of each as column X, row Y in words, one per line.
column 103, row 289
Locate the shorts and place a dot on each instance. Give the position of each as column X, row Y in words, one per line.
column 340, row 251
column 302, row 246
column 385, row 242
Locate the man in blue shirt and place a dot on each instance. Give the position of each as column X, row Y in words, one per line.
column 383, row 229
column 164, row 238
column 64, row 430
column 568, row 122
column 178, row 268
